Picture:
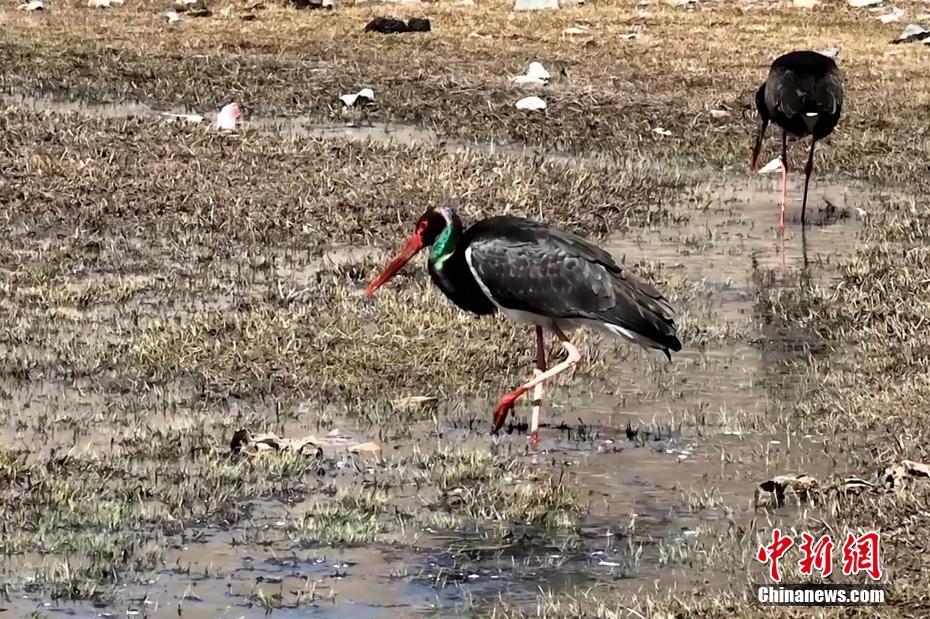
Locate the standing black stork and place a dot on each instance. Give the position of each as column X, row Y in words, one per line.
column 803, row 94
column 539, row 275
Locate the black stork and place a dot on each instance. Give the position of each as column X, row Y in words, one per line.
column 803, row 94
column 540, row 275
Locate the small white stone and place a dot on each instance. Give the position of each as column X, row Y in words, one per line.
column 895, row 15
column 535, row 5
column 526, row 80
column 912, row 30
column 33, row 5
column 531, row 103
column 538, row 71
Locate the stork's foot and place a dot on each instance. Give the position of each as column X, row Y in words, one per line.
column 505, row 406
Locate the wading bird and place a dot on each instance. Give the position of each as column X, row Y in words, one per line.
column 803, row 94
column 539, row 275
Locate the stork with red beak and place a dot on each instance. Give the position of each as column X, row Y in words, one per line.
column 538, row 275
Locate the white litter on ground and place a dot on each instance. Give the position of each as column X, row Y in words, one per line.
column 771, row 167
column 531, row 103
column 228, row 117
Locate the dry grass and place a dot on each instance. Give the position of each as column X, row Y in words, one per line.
column 608, row 94
column 256, row 187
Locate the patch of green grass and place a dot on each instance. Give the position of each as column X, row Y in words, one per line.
column 353, row 519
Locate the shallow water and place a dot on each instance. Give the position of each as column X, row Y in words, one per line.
column 297, row 127
column 731, row 230
column 663, row 453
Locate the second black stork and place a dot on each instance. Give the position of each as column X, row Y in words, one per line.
column 539, row 275
column 803, row 94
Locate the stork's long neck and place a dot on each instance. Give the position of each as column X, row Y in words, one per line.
column 450, row 272
column 446, row 244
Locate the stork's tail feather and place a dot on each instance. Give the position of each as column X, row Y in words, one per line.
column 672, row 344
column 642, row 315
column 666, row 340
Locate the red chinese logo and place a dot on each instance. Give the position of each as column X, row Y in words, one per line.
column 817, row 556
column 773, row 553
column 862, row 554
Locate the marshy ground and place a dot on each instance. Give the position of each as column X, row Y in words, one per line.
column 164, row 285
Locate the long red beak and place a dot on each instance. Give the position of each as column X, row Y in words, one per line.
column 414, row 245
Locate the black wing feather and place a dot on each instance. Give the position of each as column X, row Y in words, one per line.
column 800, row 83
column 528, row 266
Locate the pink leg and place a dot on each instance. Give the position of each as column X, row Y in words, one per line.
column 784, row 198
column 784, row 180
column 508, row 399
column 538, row 389
column 781, row 242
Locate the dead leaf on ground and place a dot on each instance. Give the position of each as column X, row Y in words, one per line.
column 801, row 486
column 898, row 474
column 245, row 442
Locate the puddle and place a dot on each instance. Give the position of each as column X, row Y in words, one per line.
column 664, row 452
column 732, row 230
column 303, row 126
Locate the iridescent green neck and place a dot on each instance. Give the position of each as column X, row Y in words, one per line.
column 444, row 246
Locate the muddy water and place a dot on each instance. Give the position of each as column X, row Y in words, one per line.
column 664, row 454
column 732, row 230
column 295, row 127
